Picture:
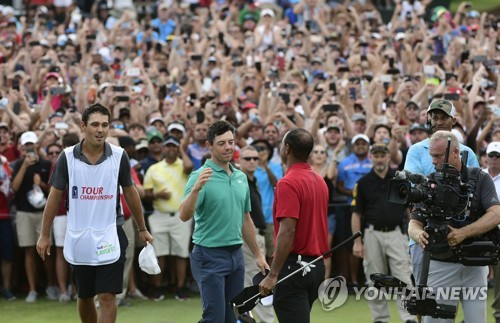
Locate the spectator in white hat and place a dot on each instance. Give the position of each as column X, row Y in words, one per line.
column 29, row 171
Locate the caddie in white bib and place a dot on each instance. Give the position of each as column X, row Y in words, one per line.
column 91, row 237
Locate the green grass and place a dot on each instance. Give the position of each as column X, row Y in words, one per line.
column 172, row 311
column 479, row 5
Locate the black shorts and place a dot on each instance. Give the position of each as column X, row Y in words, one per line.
column 93, row 280
column 6, row 240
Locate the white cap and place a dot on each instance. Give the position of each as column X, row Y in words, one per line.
column 360, row 136
column 28, row 137
column 103, row 85
column 73, row 38
column 148, row 261
column 176, row 126
column 493, row 147
column 62, row 39
column 399, row 36
column 105, row 52
column 8, row 10
column 267, row 12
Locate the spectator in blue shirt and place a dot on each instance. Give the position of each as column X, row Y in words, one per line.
column 164, row 23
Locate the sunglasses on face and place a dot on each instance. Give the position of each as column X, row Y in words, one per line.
column 494, row 155
column 260, row 148
column 54, row 152
column 251, row 158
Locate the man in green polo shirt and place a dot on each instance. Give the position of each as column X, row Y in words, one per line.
column 218, row 197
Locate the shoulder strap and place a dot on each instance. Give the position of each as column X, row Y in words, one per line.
column 473, row 175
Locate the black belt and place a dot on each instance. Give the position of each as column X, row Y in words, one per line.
column 382, row 228
column 227, row 248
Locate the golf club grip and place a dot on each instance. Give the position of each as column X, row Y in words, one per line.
column 343, row 243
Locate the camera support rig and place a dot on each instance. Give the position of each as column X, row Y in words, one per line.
column 443, row 198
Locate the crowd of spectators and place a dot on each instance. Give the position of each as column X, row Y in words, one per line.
column 167, row 69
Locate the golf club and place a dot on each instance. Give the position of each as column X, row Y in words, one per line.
column 243, row 301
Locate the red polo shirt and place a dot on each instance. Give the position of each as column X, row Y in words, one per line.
column 302, row 194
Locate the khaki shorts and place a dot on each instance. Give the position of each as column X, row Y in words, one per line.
column 59, row 229
column 28, row 228
column 171, row 235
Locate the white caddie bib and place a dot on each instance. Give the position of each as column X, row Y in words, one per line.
column 91, row 236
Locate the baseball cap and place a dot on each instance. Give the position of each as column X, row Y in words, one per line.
column 249, row 16
column 493, row 147
column 143, row 144
column 102, row 5
column 358, row 116
column 379, row 147
column 317, row 59
column 28, row 137
column 418, row 126
column 248, row 105
column 155, row 134
column 332, row 127
column 443, row 105
column 399, row 36
column 51, row 74
column 171, row 140
column 360, row 136
column 4, row 125
column 177, row 126
column 438, row 11
column 154, row 119
column 124, row 112
column 267, row 12
column 103, row 86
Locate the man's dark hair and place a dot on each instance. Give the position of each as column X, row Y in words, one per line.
column 137, row 125
column 70, row 139
column 300, row 142
column 54, row 144
column 218, row 128
column 95, row 108
column 126, row 141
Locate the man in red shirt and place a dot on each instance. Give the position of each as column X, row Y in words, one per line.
column 300, row 230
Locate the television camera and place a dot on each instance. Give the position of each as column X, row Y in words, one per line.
column 444, row 198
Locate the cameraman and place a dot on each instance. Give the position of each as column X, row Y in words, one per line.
column 485, row 215
column 440, row 116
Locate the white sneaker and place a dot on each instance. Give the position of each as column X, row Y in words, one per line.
column 31, row 298
column 137, row 294
column 64, row 298
column 52, row 293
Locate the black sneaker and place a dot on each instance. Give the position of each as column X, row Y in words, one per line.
column 181, row 296
column 158, row 296
column 7, row 294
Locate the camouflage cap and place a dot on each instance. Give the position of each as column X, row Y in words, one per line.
column 443, row 105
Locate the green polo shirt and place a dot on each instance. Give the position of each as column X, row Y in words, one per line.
column 221, row 206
